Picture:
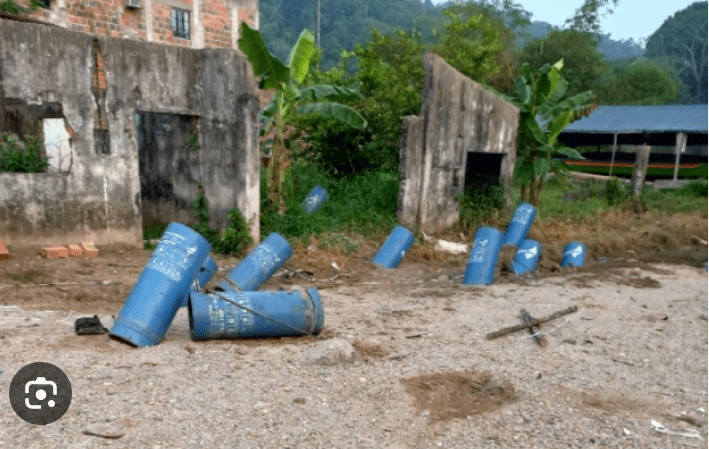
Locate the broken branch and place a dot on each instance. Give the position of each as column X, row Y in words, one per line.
column 536, row 322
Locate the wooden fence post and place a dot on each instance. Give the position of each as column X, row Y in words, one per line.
column 642, row 160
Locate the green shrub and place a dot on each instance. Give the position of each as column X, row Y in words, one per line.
column 363, row 203
column 616, row 192
column 22, row 158
column 235, row 238
column 480, row 205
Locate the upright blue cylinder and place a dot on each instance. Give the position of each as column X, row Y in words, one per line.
column 527, row 257
column 155, row 298
column 259, row 265
column 258, row 314
column 395, row 247
column 483, row 257
column 520, row 224
column 204, row 275
column 574, row 255
column 315, row 199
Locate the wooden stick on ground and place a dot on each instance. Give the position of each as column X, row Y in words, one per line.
column 536, row 322
column 534, row 330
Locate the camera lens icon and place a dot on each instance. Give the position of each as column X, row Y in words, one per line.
column 40, row 394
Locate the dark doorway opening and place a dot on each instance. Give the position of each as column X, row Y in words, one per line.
column 482, row 170
column 167, row 154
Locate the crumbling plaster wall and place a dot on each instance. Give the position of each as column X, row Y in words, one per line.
column 458, row 116
column 100, row 196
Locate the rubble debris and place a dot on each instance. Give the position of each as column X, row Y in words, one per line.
column 451, row 247
column 689, row 433
column 536, row 322
column 89, row 326
column 332, row 352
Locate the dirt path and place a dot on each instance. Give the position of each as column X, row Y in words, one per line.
column 424, row 376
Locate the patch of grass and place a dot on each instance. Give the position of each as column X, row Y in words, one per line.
column 481, row 206
column 364, row 204
column 571, row 199
column 154, row 232
column 24, row 277
column 341, row 242
column 690, row 197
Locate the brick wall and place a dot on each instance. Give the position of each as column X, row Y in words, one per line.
column 210, row 20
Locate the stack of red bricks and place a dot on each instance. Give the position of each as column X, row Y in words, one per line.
column 86, row 249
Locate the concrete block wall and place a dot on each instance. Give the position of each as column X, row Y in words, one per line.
column 458, row 117
column 99, row 197
column 213, row 23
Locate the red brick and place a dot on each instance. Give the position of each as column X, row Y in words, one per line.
column 76, row 250
column 4, row 253
column 54, row 252
column 90, row 252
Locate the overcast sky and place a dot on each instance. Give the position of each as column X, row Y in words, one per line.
column 636, row 19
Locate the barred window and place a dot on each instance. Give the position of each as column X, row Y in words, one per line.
column 180, row 23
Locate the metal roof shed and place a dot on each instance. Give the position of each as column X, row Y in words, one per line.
column 666, row 125
column 638, row 125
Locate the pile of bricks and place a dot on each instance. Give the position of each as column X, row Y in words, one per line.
column 86, row 249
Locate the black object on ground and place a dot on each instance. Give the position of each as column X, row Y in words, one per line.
column 89, row 326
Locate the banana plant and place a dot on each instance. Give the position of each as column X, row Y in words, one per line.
column 545, row 110
column 292, row 98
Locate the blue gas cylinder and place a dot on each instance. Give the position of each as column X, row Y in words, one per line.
column 394, row 248
column 232, row 314
column 259, row 265
column 519, row 225
column 161, row 287
column 483, row 257
column 315, row 199
column 527, row 257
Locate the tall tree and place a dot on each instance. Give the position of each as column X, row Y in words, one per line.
column 643, row 82
column 587, row 18
column 583, row 63
column 682, row 40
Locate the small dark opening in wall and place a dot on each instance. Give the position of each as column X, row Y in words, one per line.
column 101, row 141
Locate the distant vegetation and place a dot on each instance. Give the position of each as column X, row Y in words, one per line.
column 374, row 50
column 346, row 23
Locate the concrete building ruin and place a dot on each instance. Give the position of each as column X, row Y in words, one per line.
column 463, row 130
column 116, row 117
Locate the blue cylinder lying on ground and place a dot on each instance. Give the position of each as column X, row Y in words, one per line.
column 204, row 275
column 519, row 225
column 574, row 255
column 166, row 278
column 233, row 314
column 527, row 257
column 395, row 247
column 483, row 257
column 259, row 265
column 315, row 199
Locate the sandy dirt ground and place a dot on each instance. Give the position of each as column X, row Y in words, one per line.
column 424, row 375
